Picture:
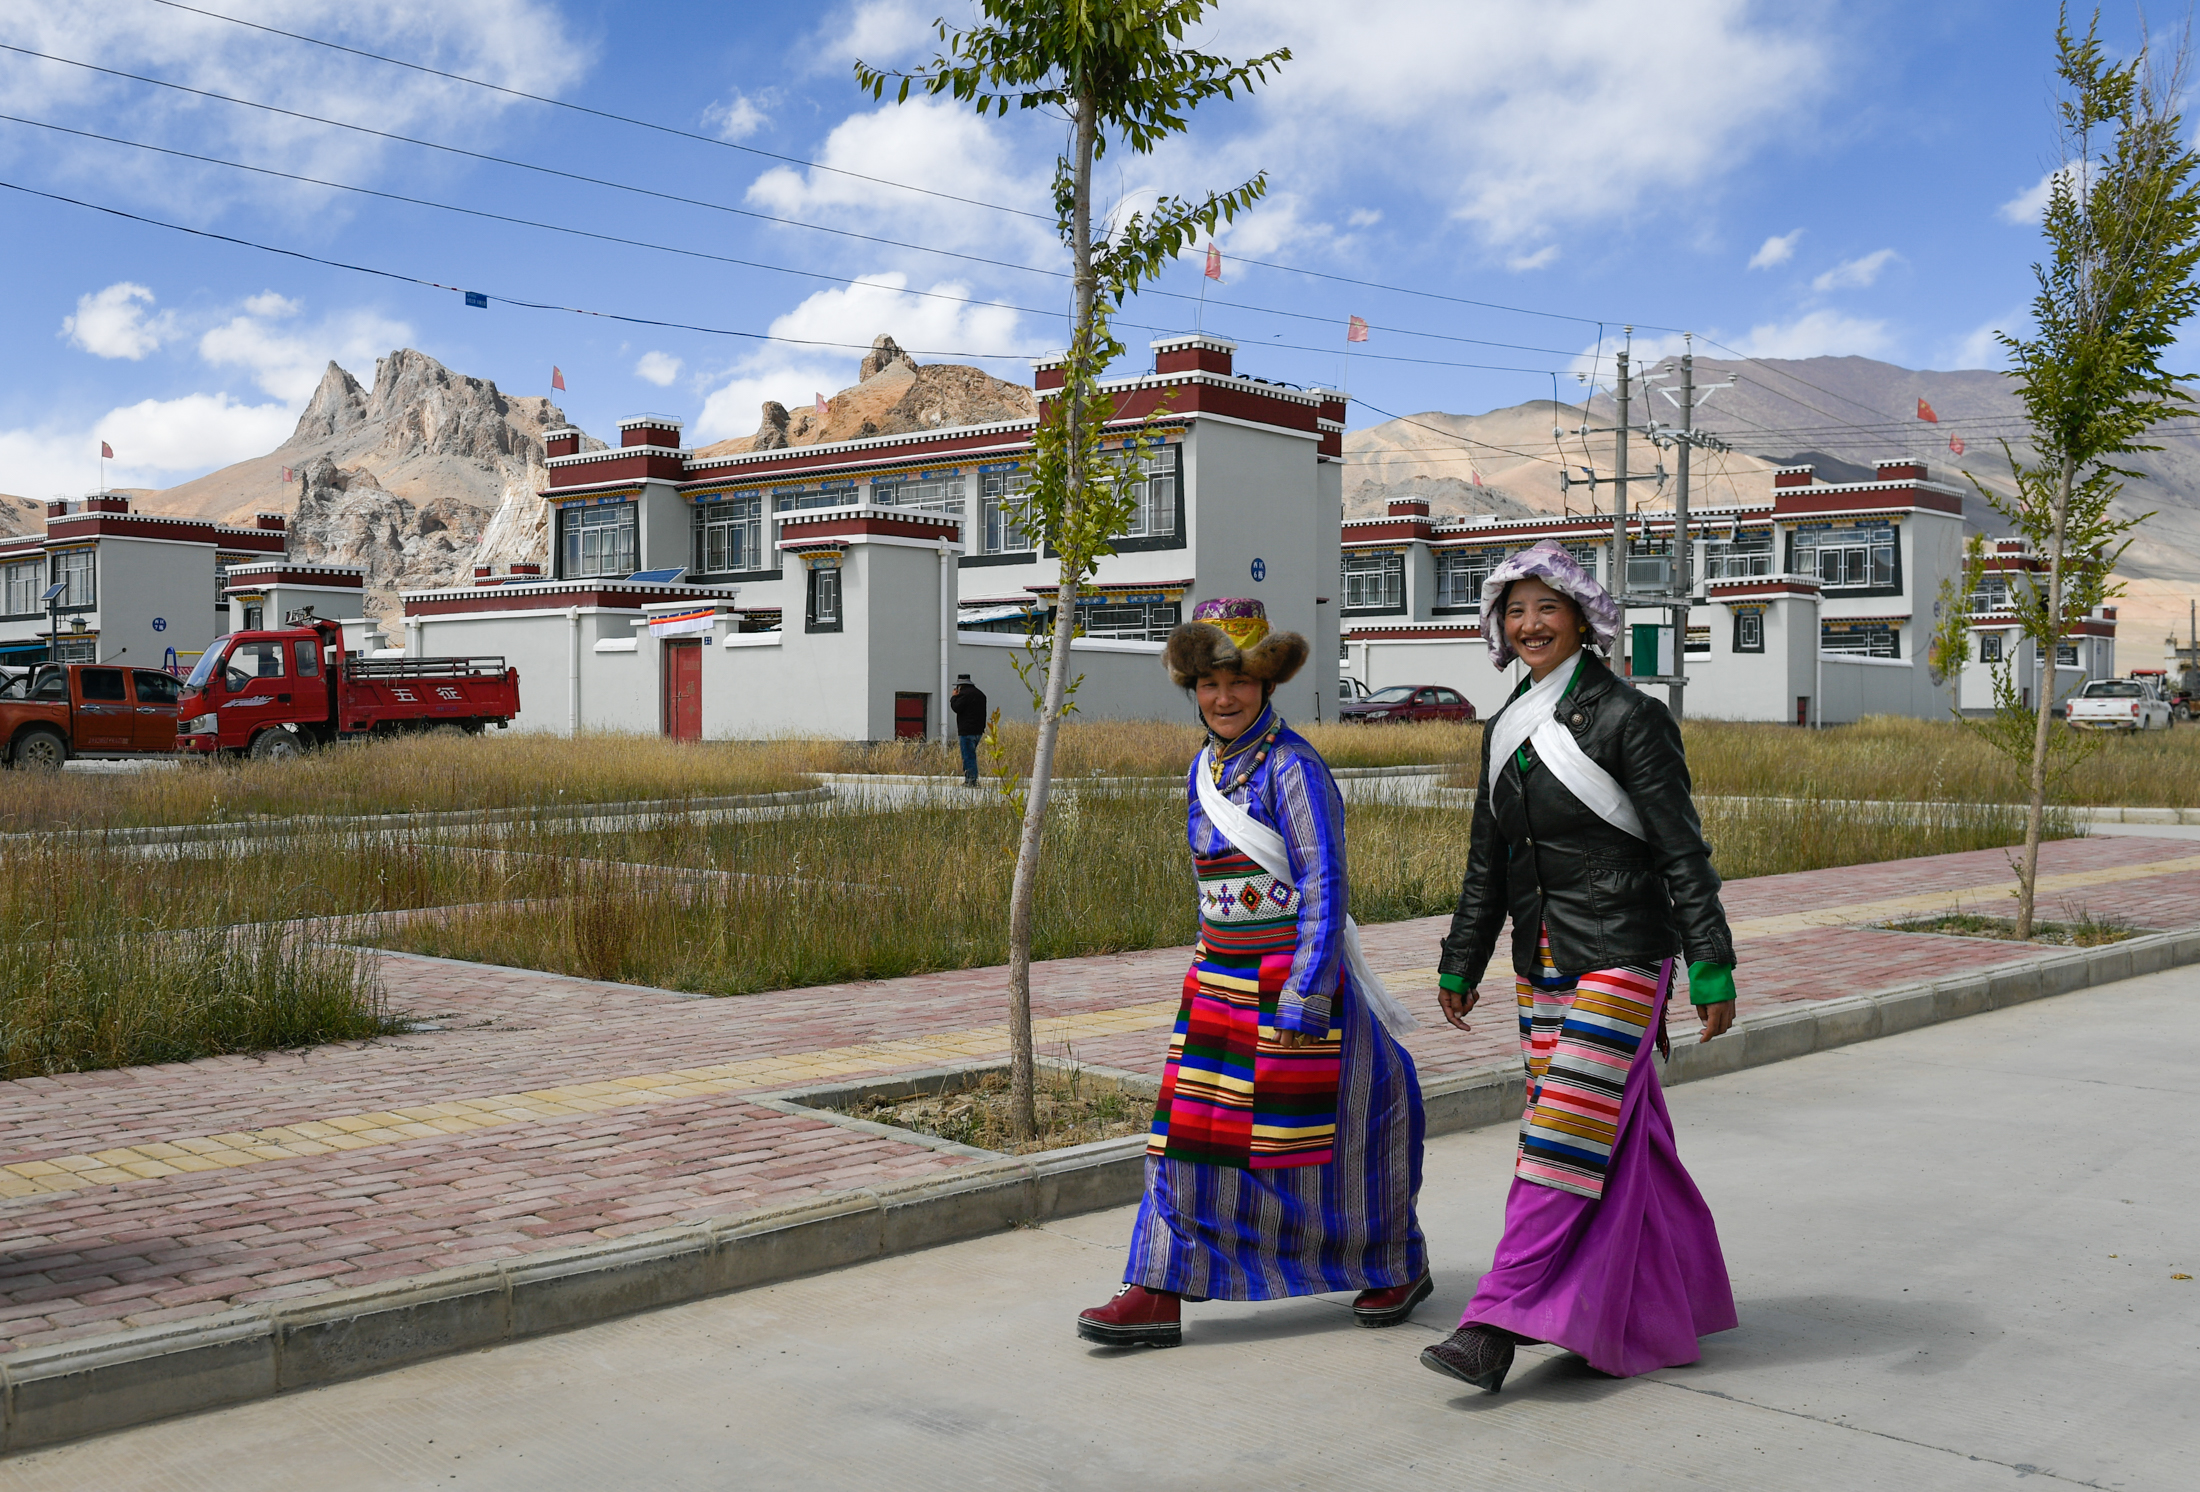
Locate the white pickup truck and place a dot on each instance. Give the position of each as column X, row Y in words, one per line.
column 2119, row 704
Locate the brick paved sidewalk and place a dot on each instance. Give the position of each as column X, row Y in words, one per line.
column 551, row 1111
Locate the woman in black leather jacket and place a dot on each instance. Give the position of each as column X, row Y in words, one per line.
column 1585, row 834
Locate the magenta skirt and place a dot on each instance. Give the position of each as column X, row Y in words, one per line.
column 1629, row 1281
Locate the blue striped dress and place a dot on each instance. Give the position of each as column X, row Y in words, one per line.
column 1264, row 1231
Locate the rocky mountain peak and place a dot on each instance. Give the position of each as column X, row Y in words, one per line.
column 897, row 395
column 338, row 405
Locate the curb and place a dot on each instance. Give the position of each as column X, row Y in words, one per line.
column 74, row 1389
column 2079, row 814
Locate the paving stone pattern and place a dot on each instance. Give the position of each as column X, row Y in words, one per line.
column 552, row 1111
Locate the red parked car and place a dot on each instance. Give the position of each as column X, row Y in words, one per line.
column 1409, row 702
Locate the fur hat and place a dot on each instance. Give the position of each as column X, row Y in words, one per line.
column 1232, row 633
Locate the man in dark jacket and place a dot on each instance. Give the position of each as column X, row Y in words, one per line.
column 968, row 703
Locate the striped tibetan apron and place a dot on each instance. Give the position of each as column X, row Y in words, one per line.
column 1578, row 1037
column 1231, row 1094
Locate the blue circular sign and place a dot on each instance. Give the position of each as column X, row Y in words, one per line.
column 160, row 624
column 1260, row 569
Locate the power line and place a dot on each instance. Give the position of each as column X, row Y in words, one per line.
column 1454, row 435
column 857, row 175
column 388, row 274
column 558, row 103
column 763, row 217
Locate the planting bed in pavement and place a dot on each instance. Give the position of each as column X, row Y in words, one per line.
column 551, row 1112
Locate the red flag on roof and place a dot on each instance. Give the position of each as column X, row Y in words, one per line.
column 106, row 451
column 1925, row 412
column 820, row 406
column 1356, row 329
column 289, row 475
column 1476, row 475
column 1955, row 444
column 557, row 378
column 1214, row 262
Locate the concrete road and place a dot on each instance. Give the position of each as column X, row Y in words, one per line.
column 1956, row 1253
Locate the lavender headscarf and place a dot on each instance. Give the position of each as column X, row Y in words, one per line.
column 1551, row 564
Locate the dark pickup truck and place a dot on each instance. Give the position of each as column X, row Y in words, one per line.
column 55, row 711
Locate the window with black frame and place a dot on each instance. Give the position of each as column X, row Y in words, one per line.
column 1152, row 489
column 1848, row 557
column 926, row 492
column 1133, row 621
column 1374, row 582
column 1739, row 555
column 1749, row 630
column 729, row 535
column 1459, row 577
column 1002, row 512
column 1992, row 594
column 823, row 610
column 599, row 540
column 76, row 568
column 1989, row 647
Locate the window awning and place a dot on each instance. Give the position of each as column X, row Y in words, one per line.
column 990, row 614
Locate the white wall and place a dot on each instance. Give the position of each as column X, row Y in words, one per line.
column 141, row 579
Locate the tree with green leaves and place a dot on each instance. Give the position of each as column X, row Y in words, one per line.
column 2122, row 226
column 1115, row 71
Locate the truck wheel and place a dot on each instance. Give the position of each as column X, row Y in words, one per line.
column 276, row 746
column 40, row 751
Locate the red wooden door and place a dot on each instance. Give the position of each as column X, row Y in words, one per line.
column 684, row 689
column 911, row 712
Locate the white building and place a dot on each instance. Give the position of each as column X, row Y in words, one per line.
column 1815, row 606
column 2087, row 652
column 154, row 590
column 837, row 589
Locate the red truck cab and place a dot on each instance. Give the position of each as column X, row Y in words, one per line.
column 57, row 711
column 277, row 692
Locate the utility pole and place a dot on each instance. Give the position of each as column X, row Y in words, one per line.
column 1616, row 579
column 1682, row 547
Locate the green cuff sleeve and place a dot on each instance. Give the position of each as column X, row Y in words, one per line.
column 1451, row 982
column 1710, row 984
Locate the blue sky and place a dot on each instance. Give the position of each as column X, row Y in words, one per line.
column 1790, row 179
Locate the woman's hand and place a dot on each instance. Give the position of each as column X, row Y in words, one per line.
column 1717, row 1020
column 1456, row 1006
column 1291, row 1041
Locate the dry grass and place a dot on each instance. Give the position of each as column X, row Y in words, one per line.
column 1165, row 748
column 847, row 896
column 1072, row 1109
column 1892, row 759
column 2084, row 930
column 410, row 774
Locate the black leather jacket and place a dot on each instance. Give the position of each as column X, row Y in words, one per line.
column 1608, row 898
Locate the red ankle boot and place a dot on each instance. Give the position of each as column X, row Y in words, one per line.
column 1389, row 1307
column 1137, row 1317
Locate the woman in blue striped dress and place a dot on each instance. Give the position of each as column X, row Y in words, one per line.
column 1285, row 1157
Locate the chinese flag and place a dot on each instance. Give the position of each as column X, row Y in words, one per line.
column 106, row 451
column 1356, row 329
column 820, row 406
column 289, row 475
column 1955, row 444
column 1476, row 475
column 1214, row 262
column 557, row 378
column 1925, row 412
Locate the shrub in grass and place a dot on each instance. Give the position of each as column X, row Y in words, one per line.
column 122, row 995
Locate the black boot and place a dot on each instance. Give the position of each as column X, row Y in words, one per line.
column 1480, row 1355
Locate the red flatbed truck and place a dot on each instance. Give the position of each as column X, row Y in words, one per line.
column 279, row 692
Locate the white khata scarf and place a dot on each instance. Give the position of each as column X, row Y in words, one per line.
column 1533, row 718
column 1265, row 847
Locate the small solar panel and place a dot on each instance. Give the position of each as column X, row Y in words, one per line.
column 660, row 577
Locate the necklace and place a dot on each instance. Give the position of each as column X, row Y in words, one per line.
column 1251, row 754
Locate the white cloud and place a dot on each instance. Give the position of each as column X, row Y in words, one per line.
column 2030, row 204
column 1364, row 217
column 1527, row 120
column 1818, row 334
column 931, row 330
column 1536, row 260
column 940, row 146
column 1776, row 250
column 880, row 32
column 156, row 442
column 114, row 323
column 520, row 44
column 737, row 118
column 288, row 360
column 660, row 368
column 1980, row 349
column 1856, row 274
